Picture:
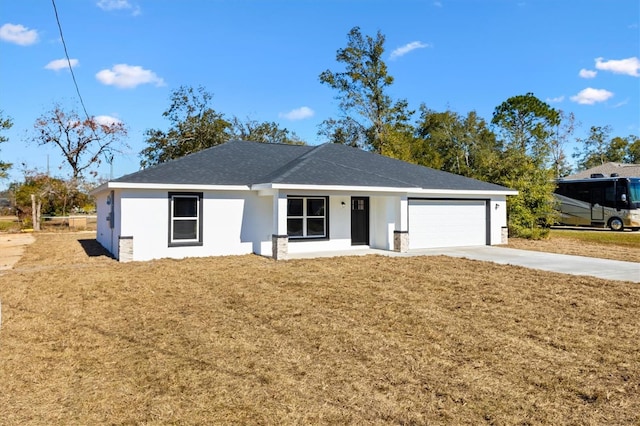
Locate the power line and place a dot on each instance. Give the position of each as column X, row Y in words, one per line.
column 73, row 76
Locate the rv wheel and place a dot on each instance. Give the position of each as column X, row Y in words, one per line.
column 616, row 224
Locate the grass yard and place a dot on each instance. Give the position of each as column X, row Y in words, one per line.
column 353, row 340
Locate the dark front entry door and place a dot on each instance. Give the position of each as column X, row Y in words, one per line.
column 359, row 221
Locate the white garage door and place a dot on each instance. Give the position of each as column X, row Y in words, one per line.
column 447, row 223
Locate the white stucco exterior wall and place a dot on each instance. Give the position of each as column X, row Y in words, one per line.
column 106, row 235
column 233, row 223
column 103, row 230
column 498, row 210
column 241, row 222
column 382, row 221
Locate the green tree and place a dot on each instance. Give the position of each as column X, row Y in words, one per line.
column 526, row 126
column 50, row 195
column 84, row 143
column 345, row 131
column 5, row 124
column 633, row 151
column 265, row 132
column 594, row 148
column 436, row 145
column 400, row 140
column 562, row 135
column 194, row 127
column 368, row 112
column 457, row 144
column 617, row 149
column 598, row 148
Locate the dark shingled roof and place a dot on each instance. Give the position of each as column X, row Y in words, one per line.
column 248, row 163
column 607, row 169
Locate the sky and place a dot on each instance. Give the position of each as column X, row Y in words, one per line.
column 261, row 60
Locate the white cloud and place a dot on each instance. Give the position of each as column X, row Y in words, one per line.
column 629, row 66
column 59, row 64
column 18, row 34
column 556, row 100
column 128, row 76
column 590, row 96
column 621, row 103
column 298, row 113
column 110, row 5
column 584, row 73
column 106, row 120
column 403, row 50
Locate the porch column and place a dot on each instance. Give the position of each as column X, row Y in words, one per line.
column 279, row 238
column 401, row 233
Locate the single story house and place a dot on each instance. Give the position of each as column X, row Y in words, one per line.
column 610, row 169
column 246, row 197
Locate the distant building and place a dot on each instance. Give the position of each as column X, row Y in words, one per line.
column 608, row 170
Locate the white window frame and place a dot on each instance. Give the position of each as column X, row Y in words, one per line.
column 198, row 218
column 305, row 217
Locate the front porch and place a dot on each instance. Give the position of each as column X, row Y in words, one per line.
column 352, row 223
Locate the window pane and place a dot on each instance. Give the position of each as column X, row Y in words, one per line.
column 315, row 227
column 609, row 196
column 185, row 229
column 294, row 227
column 185, row 207
column 294, row 207
column 315, row 207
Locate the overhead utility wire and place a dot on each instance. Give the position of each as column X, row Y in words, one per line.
column 73, row 76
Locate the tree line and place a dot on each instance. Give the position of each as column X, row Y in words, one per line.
column 522, row 147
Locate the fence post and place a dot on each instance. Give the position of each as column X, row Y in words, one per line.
column 35, row 213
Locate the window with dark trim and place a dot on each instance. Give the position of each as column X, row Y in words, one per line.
column 307, row 217
column 185, row 218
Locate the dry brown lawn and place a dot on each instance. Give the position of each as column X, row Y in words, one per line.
column 591, row 243
column 353, row 340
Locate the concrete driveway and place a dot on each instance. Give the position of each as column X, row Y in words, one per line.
column 12, row 247
column 562, row 263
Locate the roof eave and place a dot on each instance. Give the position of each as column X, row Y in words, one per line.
column 381, row 189
column 171, row 186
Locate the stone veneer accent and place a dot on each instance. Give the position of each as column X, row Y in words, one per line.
column 125, row 249
column 401, row 241
column 504, row 237
column 280, row 246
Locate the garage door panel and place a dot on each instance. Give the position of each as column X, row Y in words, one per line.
column 447, row 223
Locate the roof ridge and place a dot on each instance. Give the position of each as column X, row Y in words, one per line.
column 291, row 166
column 370, row 172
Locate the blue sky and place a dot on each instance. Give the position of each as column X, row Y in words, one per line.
column 261, row 60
